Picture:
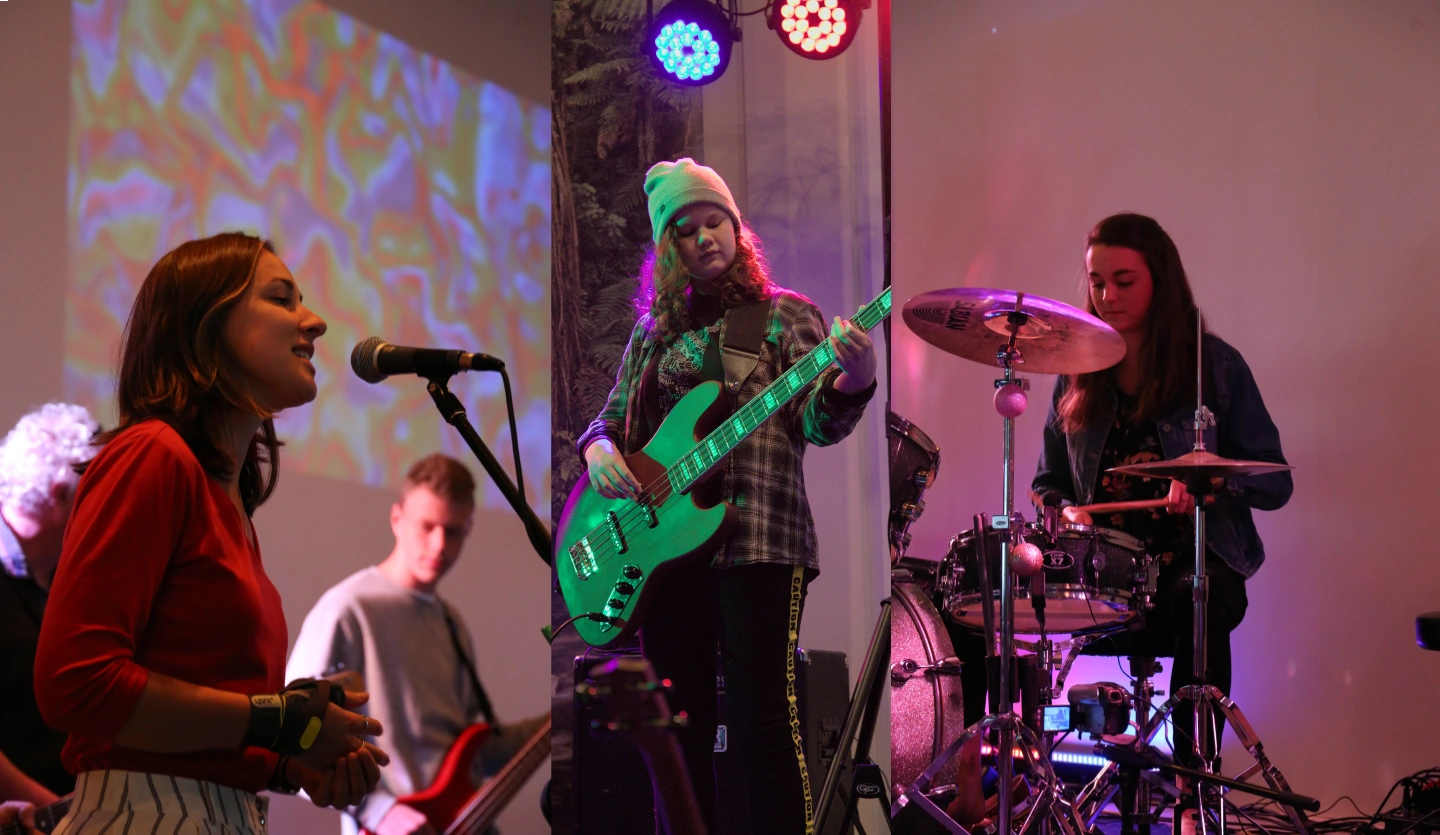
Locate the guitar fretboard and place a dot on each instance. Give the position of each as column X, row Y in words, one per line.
column 46, row 817
column 719, row 443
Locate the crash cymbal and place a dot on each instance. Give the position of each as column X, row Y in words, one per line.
column 972, row 322
column 1199, row 465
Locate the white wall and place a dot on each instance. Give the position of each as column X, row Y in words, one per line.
column 1289, row 149
column 798, row 141
column 315, row 531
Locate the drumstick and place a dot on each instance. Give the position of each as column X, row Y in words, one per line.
column 1121, row 507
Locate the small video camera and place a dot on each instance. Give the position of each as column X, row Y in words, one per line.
column 1099, row 709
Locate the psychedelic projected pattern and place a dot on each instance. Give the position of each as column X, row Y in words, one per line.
column 412, row 202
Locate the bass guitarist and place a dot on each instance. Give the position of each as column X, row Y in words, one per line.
column 704, row 281
column 388, row 624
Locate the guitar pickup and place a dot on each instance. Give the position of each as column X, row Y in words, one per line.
column 612, row 523
column 650, row 518
column 582, row 556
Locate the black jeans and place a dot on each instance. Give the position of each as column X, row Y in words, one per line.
column 1167, row 633
column 746, row 611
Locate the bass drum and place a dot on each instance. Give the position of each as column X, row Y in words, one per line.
column 927, row 710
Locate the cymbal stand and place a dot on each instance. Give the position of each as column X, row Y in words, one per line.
column 1010, row 402
column 1208, row 699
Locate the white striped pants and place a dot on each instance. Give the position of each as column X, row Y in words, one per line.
column 113, row 802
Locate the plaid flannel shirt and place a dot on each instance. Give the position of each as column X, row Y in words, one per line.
column 765, row 476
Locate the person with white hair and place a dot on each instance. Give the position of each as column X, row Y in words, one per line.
column 37, row 485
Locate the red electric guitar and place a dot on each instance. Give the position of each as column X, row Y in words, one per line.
column 454, row 807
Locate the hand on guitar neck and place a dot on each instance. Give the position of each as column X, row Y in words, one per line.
column 855, row 354
column 17, row 816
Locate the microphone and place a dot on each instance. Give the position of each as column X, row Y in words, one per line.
column 375, row 359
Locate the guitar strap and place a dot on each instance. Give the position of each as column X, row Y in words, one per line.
column 480, row 696
column 744, row 331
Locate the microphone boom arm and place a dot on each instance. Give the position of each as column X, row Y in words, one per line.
column 453, row 411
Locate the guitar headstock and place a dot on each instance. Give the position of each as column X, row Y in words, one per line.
column 632, row 699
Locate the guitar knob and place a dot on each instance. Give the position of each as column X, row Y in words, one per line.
column 632, row 572
column 624, row 588
column 617, row 605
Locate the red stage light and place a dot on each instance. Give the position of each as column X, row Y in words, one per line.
column 816, row 29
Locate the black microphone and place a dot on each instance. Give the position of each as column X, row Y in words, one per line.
column 375, row 359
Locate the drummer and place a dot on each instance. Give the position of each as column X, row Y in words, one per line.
column 1143, row 410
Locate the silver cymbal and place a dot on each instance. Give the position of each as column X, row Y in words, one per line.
column 1199, row 465
column 1055, row 338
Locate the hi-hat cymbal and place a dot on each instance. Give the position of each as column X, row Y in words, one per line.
column 972, row 322
column 1200, row 465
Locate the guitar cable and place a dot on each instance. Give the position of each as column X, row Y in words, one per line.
column 598, row 617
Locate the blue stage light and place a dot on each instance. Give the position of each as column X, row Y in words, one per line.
column 690, row 41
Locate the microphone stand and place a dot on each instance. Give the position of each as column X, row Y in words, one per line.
column 453, row 411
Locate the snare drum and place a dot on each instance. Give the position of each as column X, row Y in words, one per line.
column 1094, row 580
column 914, row 463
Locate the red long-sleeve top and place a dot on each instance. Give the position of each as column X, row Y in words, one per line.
column 157, row 575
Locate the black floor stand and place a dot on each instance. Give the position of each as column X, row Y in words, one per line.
column 866, row 780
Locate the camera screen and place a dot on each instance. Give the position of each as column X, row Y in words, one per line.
column 1056, row 718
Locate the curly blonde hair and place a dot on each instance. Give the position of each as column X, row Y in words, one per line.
column 664, row 288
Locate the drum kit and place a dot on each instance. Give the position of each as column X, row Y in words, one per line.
column 1080, row 580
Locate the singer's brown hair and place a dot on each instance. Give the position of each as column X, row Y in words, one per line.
column 175, row 367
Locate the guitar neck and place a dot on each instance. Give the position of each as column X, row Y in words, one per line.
column 46, row 817
column 703, row 456
column 482, row 810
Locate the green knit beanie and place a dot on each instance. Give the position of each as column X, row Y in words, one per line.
column 671, row 186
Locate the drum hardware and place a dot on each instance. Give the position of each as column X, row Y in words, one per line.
column 908, row 667
column 991, row 326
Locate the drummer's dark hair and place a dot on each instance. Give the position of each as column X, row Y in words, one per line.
column 1167, row 358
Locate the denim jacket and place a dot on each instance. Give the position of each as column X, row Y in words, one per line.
column 1069, row 463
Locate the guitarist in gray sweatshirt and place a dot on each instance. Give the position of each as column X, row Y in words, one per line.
column 389, row 624
column 710, row 311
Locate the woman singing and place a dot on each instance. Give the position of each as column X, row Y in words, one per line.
column 1143, row 410
column 162, row 652
column 749, row 597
